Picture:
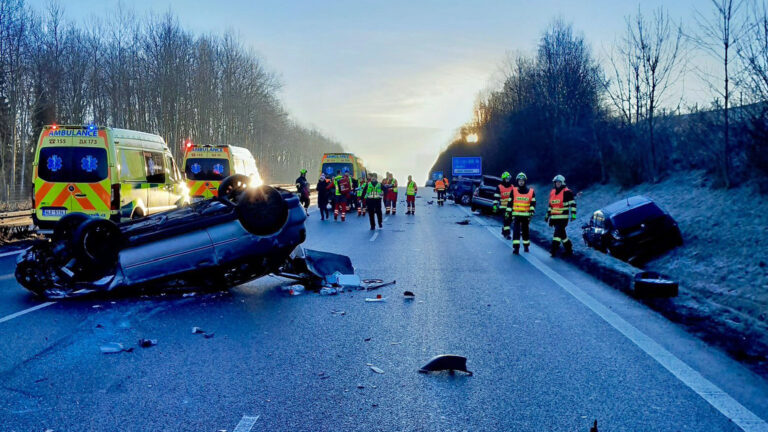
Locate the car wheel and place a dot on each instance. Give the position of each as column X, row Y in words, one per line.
column 262, row 210
column 67, row 225
column 232, row 186
column 97, row 242
column 466, row 199
column 652, row 284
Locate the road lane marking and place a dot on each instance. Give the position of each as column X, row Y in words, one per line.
column 246, row 424
column 373, row 237
column 25, row 311
column 12, row 253
column 720, row 400
column 7, row 276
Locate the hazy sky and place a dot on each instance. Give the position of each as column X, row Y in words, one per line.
column 392, row 80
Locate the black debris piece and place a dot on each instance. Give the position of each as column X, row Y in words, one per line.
column 463, row 222
column 209, row 335
column 375, row 287
column 409, row 295
column 594, row 427
column 372, row 281
column 445, row 362
column 197, row 330
column 653, row 284
column 146, row 343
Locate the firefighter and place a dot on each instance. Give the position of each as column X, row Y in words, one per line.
column 410, row 196
column 323, row 192
column 503, row 195
column 372, row 196
column 562, row 208
column 440, row 189
column 523, row 207
column 392, row 194
column 359, row 196
column 302, row 187
column 353, row 194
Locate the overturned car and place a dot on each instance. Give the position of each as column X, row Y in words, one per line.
column 242, row 234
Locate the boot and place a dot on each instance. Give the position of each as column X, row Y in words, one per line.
column 568, row 248
column 526, row 248
column 516, row 250
column 555, row 247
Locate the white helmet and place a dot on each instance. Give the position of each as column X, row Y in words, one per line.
column 559, row 178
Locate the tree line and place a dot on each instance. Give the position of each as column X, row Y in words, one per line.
column 149, row 74
column 624, row 119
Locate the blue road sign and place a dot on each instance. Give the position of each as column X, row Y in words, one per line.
column 437, row 175
column 467, row 166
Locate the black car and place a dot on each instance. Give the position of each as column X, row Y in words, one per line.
column 461, row 190
column 483, row 198
column 632, row 229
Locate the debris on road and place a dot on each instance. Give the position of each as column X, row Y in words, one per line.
column 146, row 343
column 113, row 348
column 430, row 202
column 328, row 291
column 395, row 343
column 97, row 306
column 463, row 222
column 378, row 298
column 189, row 294
column 360, row 386
column 445, row 362
column 381, row 285
column 372, row 281
column 367, row 339
column 376, row 369
column 409, row 295
column 653, row 284
column 197, row 330
column 339, row 313
column 209, row 335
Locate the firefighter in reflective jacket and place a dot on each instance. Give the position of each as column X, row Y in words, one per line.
column 343, row 187
column 410, row 196
column 562, row 208
column 440, row 189
column 523, row 207
column 372, row 196
column 359, row 192
column 503, row 195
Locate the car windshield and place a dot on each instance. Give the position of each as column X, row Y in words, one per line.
column 491, row 181
column 330, row 169
column 206, row 168
column 636, row 216
column 73, row 164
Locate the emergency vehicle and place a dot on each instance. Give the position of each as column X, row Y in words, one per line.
column 103, row 172
column 332, row 162
column 205, row 166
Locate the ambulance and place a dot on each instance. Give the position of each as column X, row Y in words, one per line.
column 205, row 166
column 333, row 162
column 104, row 172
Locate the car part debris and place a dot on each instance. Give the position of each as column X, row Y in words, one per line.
column 375, row 287
column 409, row 295
column 113, row 348
column 367, row 339
column 197, row 330
column 220, row 242
column 209, row 335
column 378, row 298
column 447, row 362
column 328, row 291
column 653, row 284
column 146, row 343
column 463, row 222
column 372, row 281
column 317, row 268
column 376, row 369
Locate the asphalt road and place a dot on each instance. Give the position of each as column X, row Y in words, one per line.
column 551, row 349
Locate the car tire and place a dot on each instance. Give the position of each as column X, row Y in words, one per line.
column 97, row 243
column 653, row 284
column 466, row 199
column 66, row 226
column 233, row 186
column 262, row 210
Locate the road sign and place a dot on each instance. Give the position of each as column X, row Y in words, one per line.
column 467, row 166
column 437, row 175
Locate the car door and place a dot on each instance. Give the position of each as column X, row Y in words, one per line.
column 156, row 180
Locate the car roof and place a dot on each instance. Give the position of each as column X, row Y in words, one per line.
column 491, row 177
column 625, row 204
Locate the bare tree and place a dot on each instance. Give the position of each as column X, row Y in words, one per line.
column 718, row 32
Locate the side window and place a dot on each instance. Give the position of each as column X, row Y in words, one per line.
column 132, row 166
column 170, row 169
column 155, row 167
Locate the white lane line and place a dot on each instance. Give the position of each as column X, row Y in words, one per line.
column 373, row 237
column 246, row 424
column 8, row 276
column 720, row 400
column 12, row 253
column 25, row 311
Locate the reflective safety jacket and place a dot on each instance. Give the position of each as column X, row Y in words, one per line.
column 562, row 204
column 373, row 191
column 446, row 182
column 503, row 194
column 439, row 185
column 523, row 202
column 393, row 184
column 411, row 189
column 361, row 189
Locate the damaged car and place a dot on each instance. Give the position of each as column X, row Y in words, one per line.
column 244, row 233
column 633, row 229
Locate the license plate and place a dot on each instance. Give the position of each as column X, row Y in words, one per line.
column 54, row 212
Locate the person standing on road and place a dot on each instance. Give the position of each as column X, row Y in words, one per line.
column 322, row 197
column 523, row 208
column 353, row 195
column 392, row 194
column 562, row 208
column 372, row 196
column 302, row 187
column 410, row 196
column 503, row 195
column 440, row 189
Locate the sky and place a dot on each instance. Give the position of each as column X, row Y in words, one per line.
column 391, row 80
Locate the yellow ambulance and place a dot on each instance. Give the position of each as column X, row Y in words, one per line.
column 104, row 172
column 205, row 166
column 333, row 162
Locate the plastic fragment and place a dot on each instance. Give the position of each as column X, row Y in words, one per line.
column 112, row 348
column 146, row 343
column 376, row 369
column 197, row 330
column 209, row 335
column 371, row 288
column 328, row 291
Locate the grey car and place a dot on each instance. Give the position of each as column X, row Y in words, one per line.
column 243, row 234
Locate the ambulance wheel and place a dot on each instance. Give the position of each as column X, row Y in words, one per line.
column 262, row 210
column 97, row 242
column 232, row 186
column 67, row 225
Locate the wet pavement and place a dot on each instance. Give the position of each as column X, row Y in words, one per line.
column 543, row 358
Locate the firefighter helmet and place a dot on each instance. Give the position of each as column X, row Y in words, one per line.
column 521, row 176
column 559, row 178
column 506, row 175
column 303, row 171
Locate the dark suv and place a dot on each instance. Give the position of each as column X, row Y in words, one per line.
column 632, row 229
column 484, row 198
column 461, row 190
